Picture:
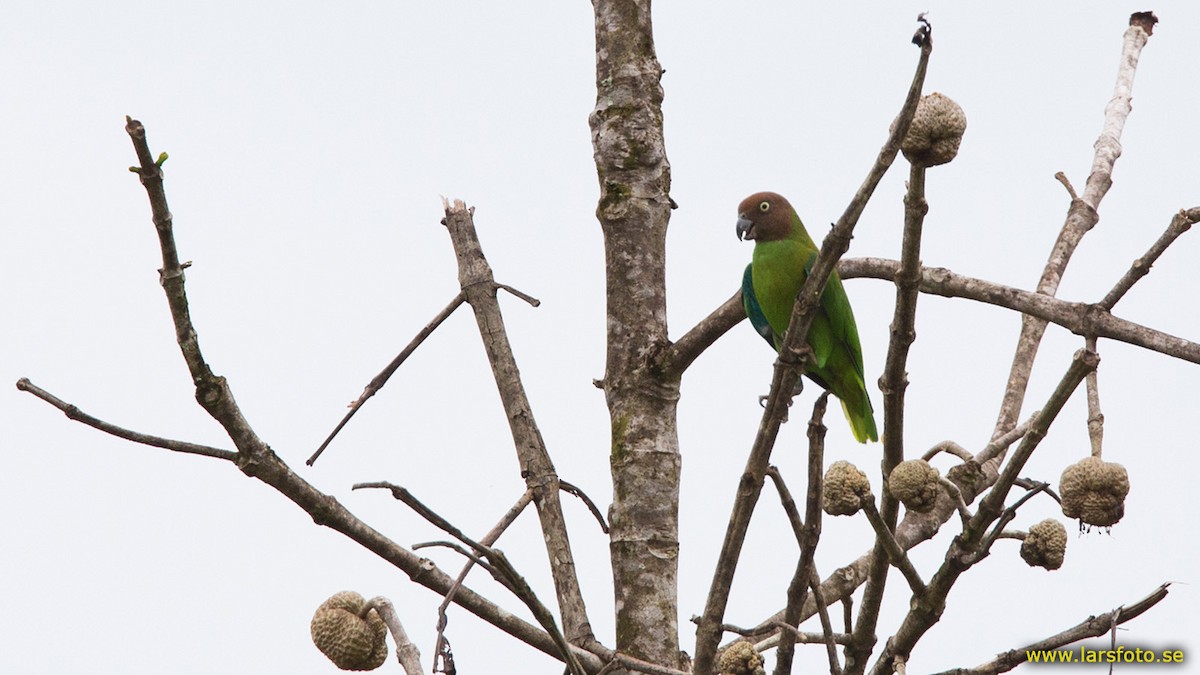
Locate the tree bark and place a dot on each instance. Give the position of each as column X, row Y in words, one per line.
column 634, row 209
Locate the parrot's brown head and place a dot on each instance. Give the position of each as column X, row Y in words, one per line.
column 764, row 216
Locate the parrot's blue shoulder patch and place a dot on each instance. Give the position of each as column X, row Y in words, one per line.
column 754, row 310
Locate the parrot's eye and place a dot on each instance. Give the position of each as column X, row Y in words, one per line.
column 764, row 207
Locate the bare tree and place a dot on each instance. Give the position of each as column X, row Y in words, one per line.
column 642, row 384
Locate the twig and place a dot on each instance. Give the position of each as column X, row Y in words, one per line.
column 738, row 630
column 381, row 379
column 787, row 371
column 533, row 302
column 479, row 287
column 488, row 539
column 406, row 652
column 402, row 494
column 74, row 413
column 1077, row 317
column 591, row 505
column 788, row 502
column 1093, row 626
column 959, row 503
column 470, row 556
column 1181, row 222
column 949, row 447
column 517, row 583
column 1095, row 419
column 892, row 552
column 806, row 637
column 1005, row 518
column 814, row 584
column 1066, row 183
column 893, row 383
column 540, row 612
column 1082, row 216
column 808, row 535
column 1000, row 443
column 212, row 392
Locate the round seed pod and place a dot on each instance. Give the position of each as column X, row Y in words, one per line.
column 936, row 131
column 844, row 489
column 915, row 484
column 1094, row 491
column 345, row 637
column 741, row 659
column 1045, row 545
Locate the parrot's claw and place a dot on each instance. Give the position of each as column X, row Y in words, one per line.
column 762, row 402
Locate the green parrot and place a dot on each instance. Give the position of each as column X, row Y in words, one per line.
column 783, row 256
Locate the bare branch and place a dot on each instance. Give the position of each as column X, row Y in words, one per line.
column 515, row 582
column 1181, row 222
column 472, row 560
column 381, row 379
column 677, row 357
column 212, row 392
column 949, row 447
column 1000, row 443
column 1095, row 419
column 963, row 512
column 787, row 371
column 572, row 489
column 806, row 637
column 406, row 652
column 1077, row 317
column 479, row 288
column 1093, row 626
column 808, row 533
column 892, row 552
column 1005, row 518
column 831, row 639
column 74, row 413
column 893, row 383
column 533, row 302
column 1082, row 216
column 488, row 539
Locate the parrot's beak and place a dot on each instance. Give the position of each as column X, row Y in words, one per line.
column 745, row 229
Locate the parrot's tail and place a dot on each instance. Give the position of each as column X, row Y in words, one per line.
column 862, row 417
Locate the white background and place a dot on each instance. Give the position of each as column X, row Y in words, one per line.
column 308, row 149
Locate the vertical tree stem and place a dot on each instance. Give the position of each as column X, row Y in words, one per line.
column 634, row 208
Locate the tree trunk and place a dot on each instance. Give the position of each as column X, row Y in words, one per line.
column 634, row 208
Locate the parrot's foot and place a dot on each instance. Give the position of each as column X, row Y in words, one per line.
column 762, row 402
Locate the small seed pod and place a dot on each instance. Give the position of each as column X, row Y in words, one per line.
column 844, row 489
column 936, row 131
column 1045, row 545
column 345, row 637
column 1094, row 491
column 915, row 484
column 741, row 659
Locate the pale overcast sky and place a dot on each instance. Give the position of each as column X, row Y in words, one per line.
column 308, row 150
